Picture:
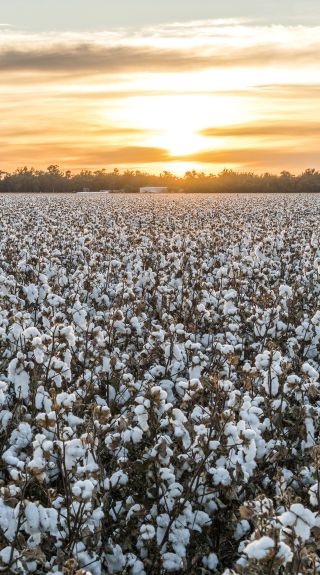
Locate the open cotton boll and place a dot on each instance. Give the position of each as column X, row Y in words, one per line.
column 32, row 517
column 20, row 379
column 147, row 532
column 310, row 371
column 83, row 489
column 210, row 562
column 172, row 562
column 285, row 291
column 3, row 389
column 260, row 548
column 220, row 476
column 300, row 519
column 314, row 493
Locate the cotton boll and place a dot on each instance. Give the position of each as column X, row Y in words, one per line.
column 210, row 562
column 300, row 519
column 32, row 517
column 285, row 291
column 147, row 532
column 20, row 378
column 314, row 495
column 3, row 389
column 171, row 562
column 284, row 553
column 220, row 476
column 241, row 529
column 260, row 548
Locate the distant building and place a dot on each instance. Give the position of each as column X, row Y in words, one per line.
column 153, row 190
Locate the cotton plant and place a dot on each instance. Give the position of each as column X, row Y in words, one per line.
column 159, row 385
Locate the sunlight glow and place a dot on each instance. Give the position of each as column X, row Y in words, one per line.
column 173, row 122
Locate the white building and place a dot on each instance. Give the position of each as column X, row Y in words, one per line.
column 153, row 190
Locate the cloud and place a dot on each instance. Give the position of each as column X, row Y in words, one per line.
column 45, row 132
column 85, row 155
column 107, row 60
column 257, row 157
column 257, row 130
column 176, row 49
column 92, row 59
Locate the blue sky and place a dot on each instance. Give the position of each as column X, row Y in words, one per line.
column 45, row 15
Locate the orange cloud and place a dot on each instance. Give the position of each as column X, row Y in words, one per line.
column 302, row 129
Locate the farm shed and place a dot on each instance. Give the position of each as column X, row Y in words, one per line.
column 153, row 190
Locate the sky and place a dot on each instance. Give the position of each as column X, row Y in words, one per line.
column 173, row 85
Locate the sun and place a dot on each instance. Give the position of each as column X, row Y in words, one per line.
column 174, row 122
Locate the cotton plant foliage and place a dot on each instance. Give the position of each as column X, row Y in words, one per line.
column 159, row 384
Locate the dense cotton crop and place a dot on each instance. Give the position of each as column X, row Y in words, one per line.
column 159, row 384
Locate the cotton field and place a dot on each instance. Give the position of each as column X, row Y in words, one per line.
column 159, row 384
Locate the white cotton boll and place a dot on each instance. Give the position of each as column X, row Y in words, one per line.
column 22, row 436
column 300, row 518
column 262, row 360
column 260, row 548
column 271, row 383
column 285, row 291
column 229, row 308
column 316, row 318
column 20, row 378
column 38, row 355
column 132, row 435
column 31, row 332
column 147, row 532
column 48, row 519
column 210, row 562
column 179, row 538
column 55, row 300
column 220, row 476
column 135, row 565
column 199, row 520
column 230, row 294
column 314, row 493
column 3, row 389
column 310, row 371
column 115, row 560
column 83, row 489
column 73, row 420
column 179, row 416
column 32, row 517
column 158, row 392
column 284, row 553
column 66, row 399
column 117, row 478
column 171, row 562
column 241, row 529
column 167, row 475
column 142, row 417
column 74, row 451
column 31, row 292
column 134, row 510
column 68, row 334
column 6, row 556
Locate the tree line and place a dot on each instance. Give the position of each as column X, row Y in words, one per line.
column 54, row 180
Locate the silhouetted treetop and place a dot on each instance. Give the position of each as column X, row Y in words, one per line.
column 54, row 180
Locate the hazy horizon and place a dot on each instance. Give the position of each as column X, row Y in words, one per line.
column 174, row 86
